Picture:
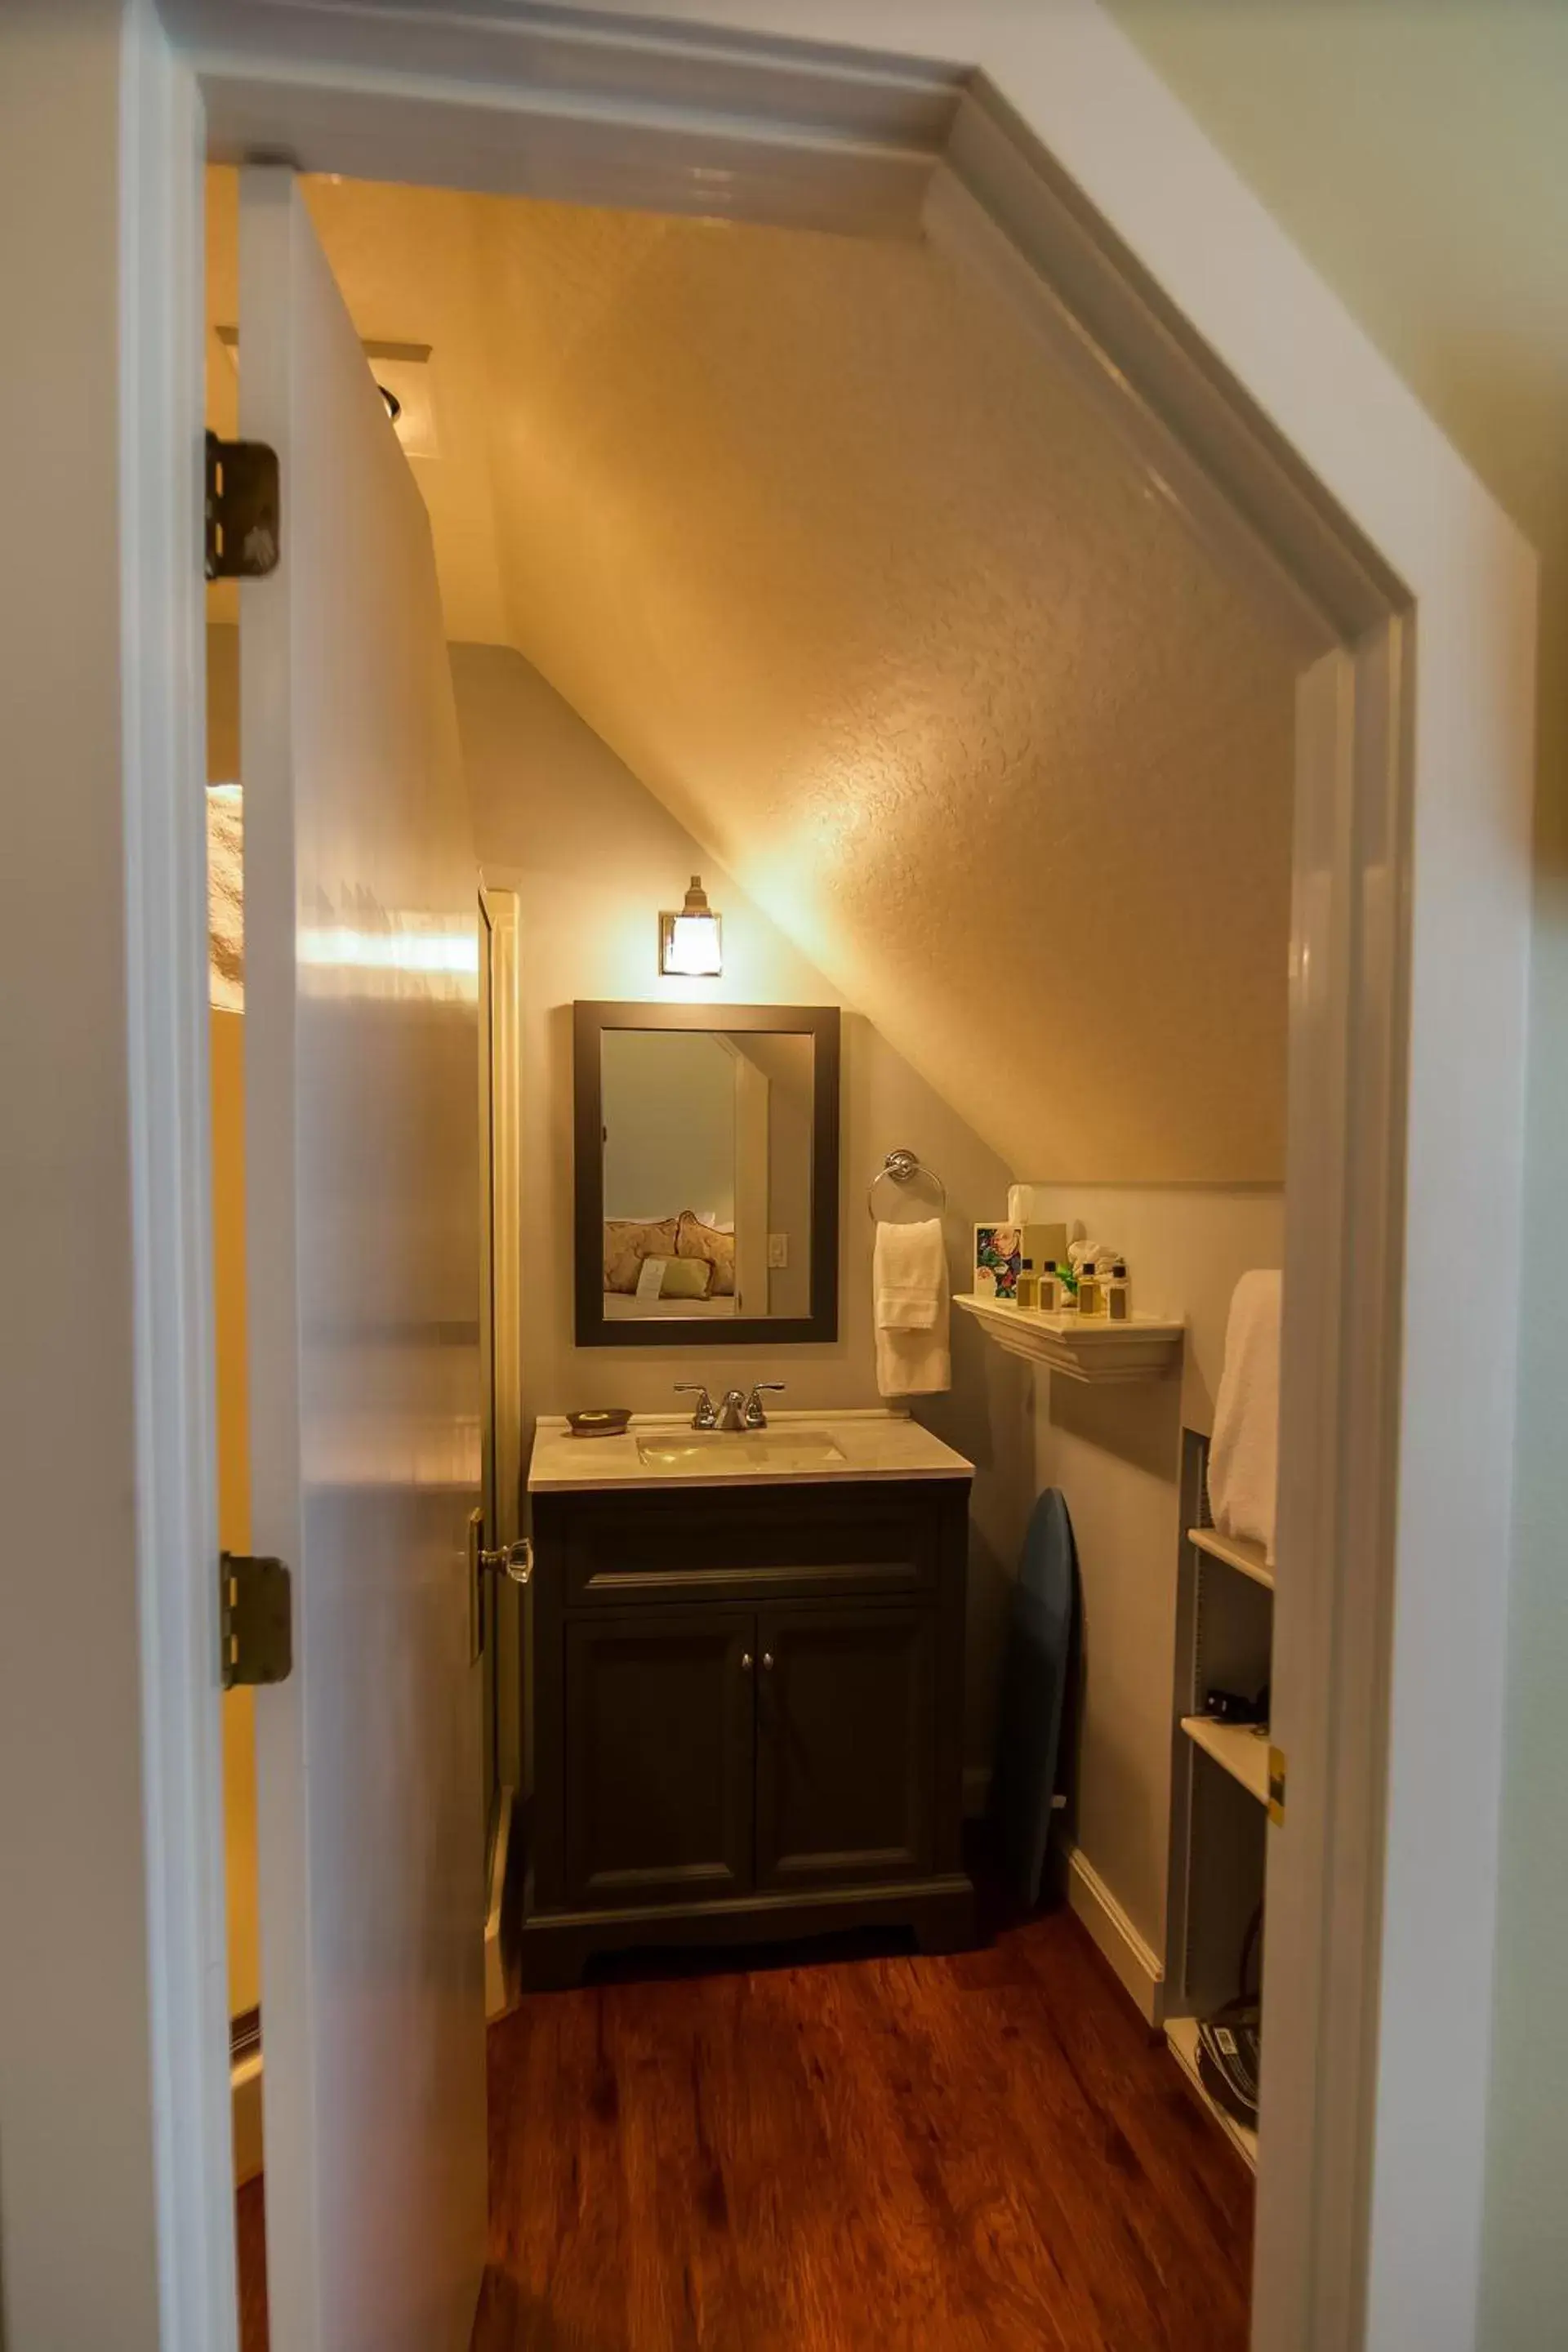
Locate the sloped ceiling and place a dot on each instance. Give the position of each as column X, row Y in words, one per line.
column 808, row 530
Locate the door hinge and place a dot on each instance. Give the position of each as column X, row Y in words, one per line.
column 1276, row 1786
column 256, row 1620
column 244, row 509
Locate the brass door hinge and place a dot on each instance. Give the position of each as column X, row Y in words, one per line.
column 244, row 506
column 256, row 1620
column 1277, row 1786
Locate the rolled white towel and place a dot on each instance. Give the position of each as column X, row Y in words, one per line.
column 1243, row 1452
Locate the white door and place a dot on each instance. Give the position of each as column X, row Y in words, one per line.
column 362, row 988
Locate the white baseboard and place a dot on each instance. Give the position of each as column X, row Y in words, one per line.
column 1139, row 1969
column 497, row 2000
column 245, row 2095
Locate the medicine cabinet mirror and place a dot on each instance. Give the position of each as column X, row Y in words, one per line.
column 706, row 1174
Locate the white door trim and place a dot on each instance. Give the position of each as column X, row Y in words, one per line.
column 1432, row 846
column 163, row 640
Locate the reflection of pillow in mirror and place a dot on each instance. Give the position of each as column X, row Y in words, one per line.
column 686, row 1278
column 626, row 1245
column 698, row 1240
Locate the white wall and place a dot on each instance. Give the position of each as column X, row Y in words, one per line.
column 592, row 856
column 78, row 2265
column 1115, row 1451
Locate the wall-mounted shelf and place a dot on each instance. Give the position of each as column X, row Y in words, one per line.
column 1083, row 1347
column 1236, row 1748
column 1182, row 2036
column 1237, row 1551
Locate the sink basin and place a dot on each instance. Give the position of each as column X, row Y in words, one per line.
column 708, row 1450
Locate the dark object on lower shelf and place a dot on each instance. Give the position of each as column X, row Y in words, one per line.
column 1229, row 2047
column 1033, row 1686
column 748, row 1710
column 1235, row 1706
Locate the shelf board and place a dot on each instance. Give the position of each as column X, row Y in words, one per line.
column 1237, row 1551
column 1237, row 1749
column 1182, row 2038
column 1089, row 1348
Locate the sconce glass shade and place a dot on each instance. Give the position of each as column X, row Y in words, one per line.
column 691, row 945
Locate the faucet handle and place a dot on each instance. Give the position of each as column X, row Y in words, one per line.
column 755, row 1417
column 706, row 1415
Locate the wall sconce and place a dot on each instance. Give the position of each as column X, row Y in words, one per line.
column 690, row 946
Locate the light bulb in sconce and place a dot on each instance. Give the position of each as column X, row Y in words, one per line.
column 690, row 945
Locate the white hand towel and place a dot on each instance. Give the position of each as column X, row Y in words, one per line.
column 910, row 1309
column 909, row 1275
column 1243, row 1452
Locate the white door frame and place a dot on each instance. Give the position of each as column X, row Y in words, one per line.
column 1265, row 414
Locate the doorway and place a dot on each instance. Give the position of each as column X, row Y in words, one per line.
column 1371, row 1527
column 1151, row 2089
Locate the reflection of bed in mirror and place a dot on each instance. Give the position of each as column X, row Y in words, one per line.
column 704, row 1126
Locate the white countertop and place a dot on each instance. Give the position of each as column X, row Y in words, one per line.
column 875, row 1443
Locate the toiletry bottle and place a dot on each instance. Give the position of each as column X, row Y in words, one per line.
column 1090, row 1295
column 1119, row 1294
column 1050, row 1297
column 1028, row 1285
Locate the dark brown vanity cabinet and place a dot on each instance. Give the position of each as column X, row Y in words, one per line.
column 747, row 1713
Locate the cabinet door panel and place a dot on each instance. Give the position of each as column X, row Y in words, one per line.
column 659, row 1745
column 846, row 1751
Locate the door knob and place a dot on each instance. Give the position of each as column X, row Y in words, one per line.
column 513, row 1559
column 746, row 1662
column 767, row 1661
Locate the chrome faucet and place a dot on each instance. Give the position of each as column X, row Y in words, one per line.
column 755, row 1417
column 735, row 1411
column 732, row 1410
column 706, row 1415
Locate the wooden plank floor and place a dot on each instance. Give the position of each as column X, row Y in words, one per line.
column 963, row 2153
column 981, row 2153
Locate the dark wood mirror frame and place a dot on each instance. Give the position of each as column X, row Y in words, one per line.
column 589, row 1023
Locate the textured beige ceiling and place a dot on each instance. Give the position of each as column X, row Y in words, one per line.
column 809, row 531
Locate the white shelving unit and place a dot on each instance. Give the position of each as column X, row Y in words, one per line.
column 1081, row 1347
column 1219, row 1776
column 1236, row 1748
column 1247, row 1558
column 1182, row 2038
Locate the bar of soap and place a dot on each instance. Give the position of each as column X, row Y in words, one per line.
column 607, row 1420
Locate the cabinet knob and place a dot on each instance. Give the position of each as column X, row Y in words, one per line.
column 767, row 1661
column 746, row 1662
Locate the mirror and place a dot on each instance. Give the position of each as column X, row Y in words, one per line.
column 707, row 1174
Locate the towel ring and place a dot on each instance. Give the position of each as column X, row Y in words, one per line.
column 901, row 1168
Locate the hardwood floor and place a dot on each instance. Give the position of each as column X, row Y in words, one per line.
column 251, row 2240
column 964, row 2154
column 980, row 2153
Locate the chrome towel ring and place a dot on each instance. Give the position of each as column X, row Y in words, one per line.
column 901, row 1168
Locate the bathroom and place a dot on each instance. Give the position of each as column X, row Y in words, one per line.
column 797, row 565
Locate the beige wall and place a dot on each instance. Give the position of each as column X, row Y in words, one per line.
column 1416, row 153
column 593, row 856
column 1115, row 1453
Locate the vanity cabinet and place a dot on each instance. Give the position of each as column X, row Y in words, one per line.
column 747, row 1711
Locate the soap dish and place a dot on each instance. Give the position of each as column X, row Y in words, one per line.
column 609, row 1420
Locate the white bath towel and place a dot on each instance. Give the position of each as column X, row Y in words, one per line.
column 909, row 1309
column 1243, row 1452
